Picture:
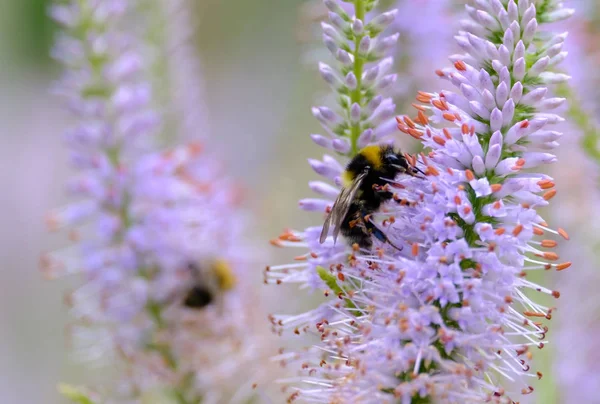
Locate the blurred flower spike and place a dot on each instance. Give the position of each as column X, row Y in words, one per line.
column 452, row 317
column 146, row 226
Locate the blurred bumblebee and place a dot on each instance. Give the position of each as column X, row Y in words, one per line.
column 210, row 281
column 363, row 193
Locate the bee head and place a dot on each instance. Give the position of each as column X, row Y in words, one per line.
column 395, row 160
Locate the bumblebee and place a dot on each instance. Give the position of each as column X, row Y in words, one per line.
column 363, row 193
column 209, row 281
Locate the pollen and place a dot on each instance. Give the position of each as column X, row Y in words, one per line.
column 549, row 243
column 496, row 187
column 469, row 174
column 563, row 266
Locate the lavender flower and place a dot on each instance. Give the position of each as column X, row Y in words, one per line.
column 415, row 23
column 138, row 219
column 450, row 317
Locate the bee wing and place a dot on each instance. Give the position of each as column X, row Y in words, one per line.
column 340, row 207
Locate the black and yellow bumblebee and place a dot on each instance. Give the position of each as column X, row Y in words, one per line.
column 363, row 192
column 210, row 280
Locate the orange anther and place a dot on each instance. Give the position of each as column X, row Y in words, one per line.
column 550, row 256
column 533, row 314
column 517, row 230
column 438, row 104
column 469, row 174
column 439, row 140
column 423, row 96
column 460, row 65
column 415, row 133
column 562, row 266
column 449, row 117
column 545, row 184
column 550, row 194
column 422, row 118
column 563, row 233
column 415, row 249
column 432, row 171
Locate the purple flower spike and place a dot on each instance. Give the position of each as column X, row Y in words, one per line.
column 449, row 315
column 149, row 226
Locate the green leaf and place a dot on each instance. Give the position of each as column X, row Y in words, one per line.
column 76, row 394
column 329, row 279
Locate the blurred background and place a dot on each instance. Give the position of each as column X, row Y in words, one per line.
column 258, row 60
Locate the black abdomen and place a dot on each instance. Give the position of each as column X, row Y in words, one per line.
column 354, row 228
column 198, row 297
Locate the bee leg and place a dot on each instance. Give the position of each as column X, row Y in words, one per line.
column 379, row 235
column 354, row 230
column 400, row 201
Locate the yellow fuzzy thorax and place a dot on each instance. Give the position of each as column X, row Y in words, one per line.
column 347, row 178
column 373, row 155
column 224, row 274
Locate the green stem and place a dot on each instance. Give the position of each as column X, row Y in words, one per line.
column 356, row 94
column 591, row 134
